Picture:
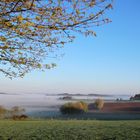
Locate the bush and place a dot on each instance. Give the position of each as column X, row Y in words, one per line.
column 85, row 106
column 19, row 117
column 99, row 103
column 74, row 108
column 3, row 112
column 16, row 111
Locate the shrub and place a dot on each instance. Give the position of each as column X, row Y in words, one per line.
column 2, row 112
column 74, row 108
column 85, row 106
column 99, row 103
column 16, row 111
column 19, row 117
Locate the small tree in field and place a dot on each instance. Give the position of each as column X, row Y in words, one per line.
column 74, row 108
column 99, row 103
column 16, row 111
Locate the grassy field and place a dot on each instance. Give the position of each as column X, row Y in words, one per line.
column 69, row 130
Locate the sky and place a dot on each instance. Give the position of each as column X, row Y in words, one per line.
column 106, row 64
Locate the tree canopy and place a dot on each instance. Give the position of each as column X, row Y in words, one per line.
column 32, row 29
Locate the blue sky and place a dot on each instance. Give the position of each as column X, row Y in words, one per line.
column 107, row 64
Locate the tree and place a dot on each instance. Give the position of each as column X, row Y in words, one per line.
column 2, row 112
column 16, row 111
column 31, row 30
column 99, row 103
column 74, row 108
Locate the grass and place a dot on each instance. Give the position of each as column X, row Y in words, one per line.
column 69, row 130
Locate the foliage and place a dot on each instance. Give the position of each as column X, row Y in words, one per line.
column 14, row 112
column 136, row 97
column 69, row 130
column 3, row 112
column 99, row 103
column 19, row 117
column 31, row 30
column 74, row 108
column 85, row 106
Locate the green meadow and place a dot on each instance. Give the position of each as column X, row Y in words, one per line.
column 69, row 130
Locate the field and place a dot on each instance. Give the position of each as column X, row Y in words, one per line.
column 69, row 130
column 120, row 110
column 122, row 107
